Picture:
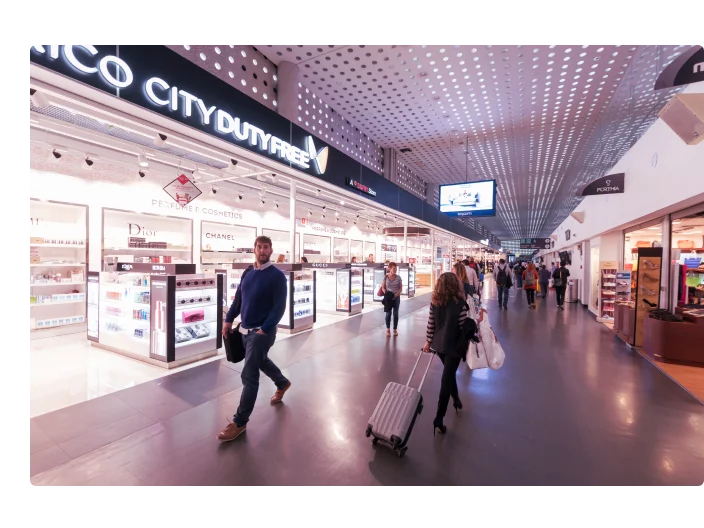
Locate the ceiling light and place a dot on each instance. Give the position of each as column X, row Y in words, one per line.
column 142, row 160
column 39, row 99
column 317, row 192
column 159, row 139
column 215, row 190
column 141, row 173
column 57, row 155
column 342, row 202
column 239, row 197
column 324, row 207
column 233, row 161
column 89, row 162
column 337, row 213
column 310, row 213
column 276, row 204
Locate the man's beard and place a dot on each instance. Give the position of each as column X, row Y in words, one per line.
column 262, row 258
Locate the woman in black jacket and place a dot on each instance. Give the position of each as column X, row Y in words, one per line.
column 448, row 334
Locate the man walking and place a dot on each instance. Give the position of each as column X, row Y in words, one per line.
column 544, row 280
column 261, row 300
column 502, row 277
column 518, row 270
column 560, row 283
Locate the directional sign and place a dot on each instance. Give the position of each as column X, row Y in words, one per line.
column 534, row 243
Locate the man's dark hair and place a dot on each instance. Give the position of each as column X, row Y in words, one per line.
column 465, row 262
column 502, row 261
column 263, row 240
column 562, row 263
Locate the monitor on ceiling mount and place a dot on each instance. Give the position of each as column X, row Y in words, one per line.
column 477, row 198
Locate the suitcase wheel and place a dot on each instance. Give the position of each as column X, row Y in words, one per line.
column 369, row 431
column 375, row 441
column 402, row 452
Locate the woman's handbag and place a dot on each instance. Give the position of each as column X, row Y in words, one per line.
column 380, row 291
column 234, row 347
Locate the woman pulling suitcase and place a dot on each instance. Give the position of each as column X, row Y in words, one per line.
column 449, row 332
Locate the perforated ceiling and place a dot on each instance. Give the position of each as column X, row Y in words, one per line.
column 541, row 120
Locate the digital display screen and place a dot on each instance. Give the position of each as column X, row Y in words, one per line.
column 469, row 199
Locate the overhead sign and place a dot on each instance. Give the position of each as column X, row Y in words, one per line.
column 612, row 184
column 360, row 187
column 183, row 190
column 687, row 68
column 534, row 243
column 145, row 75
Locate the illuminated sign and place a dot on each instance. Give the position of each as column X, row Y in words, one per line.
column 159, row 92
column 360, row 187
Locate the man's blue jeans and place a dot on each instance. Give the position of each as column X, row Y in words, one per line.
column 503, row 290
column 256, row 358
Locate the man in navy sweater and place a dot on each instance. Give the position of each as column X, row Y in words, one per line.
column 261, row 301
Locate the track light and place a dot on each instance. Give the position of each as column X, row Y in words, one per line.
column 337, row 213
column 276, row 204
column 317, row 192
column 39, row 99
column 233, row 161
column 263, row 202
column 357, row 215
column 215, row 189
column 324, row 207
column 347, row 221
column 89, row 162
column 322, row 216
column 342, row 202
column 142, row 160
column 310, row 213
column 160, row 139
column 239, row 197
column 57, row 155
column 142, row 174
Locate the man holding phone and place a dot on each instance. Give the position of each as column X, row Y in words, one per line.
column 261, row 301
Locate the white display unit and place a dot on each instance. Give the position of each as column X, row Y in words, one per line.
column 57, row 271
column 280, row 241
column 129, row 236
column 316, row 248
column 357, row 250
column 341, row 250
column 223, row 244
column 370, row 249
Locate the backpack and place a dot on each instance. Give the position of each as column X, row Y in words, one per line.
column 501, row 277
column 530, row 279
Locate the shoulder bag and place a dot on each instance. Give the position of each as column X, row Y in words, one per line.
column 234, row 347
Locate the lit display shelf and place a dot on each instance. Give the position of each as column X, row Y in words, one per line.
column 300, row 310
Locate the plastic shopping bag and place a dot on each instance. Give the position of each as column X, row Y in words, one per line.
column 537, row 288
column 476, row 358
column 492, row 348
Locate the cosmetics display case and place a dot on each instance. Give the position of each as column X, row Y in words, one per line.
column 357, row 250
column 339, row 287
column 164, row 314
column 373, row 274
column 300, row 298
column 223, row 244
column 407, row 272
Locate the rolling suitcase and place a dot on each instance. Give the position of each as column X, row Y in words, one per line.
column 392, row 421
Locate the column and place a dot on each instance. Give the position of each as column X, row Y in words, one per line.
column 405, row 241
column 287, row 90
column 432, row 259
column 292, row 224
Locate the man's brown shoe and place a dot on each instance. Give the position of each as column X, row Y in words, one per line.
column 279, row 394
column 231, row 432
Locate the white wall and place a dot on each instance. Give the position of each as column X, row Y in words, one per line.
column 676, row 182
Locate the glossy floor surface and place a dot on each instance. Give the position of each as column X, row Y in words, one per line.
column 571, row 405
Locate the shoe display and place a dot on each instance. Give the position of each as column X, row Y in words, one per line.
column 648, row 264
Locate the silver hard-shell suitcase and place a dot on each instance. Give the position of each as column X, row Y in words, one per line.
column 392, row 421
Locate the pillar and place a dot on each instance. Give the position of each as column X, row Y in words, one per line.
column 292, row 224
column 405, row 241
column 287, row 90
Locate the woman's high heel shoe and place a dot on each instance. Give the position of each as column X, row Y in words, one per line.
column 438, row 426
column 457, row 405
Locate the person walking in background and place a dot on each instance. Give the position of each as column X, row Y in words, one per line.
column 304, row 260
column 392, row 283
column 261, row 301
column 552, row 267
column 544, row 280
column 472, row 276
column 518, row 270
column 280, row 259
column 448, row 333
column 461, row 273
column 560, row 284
column 502, row 276
column 530, row 282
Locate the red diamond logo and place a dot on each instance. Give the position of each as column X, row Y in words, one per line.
column 183, row 179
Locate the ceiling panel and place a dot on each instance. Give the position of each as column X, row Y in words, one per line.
column 541, row 120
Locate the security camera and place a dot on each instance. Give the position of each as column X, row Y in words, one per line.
column 160, row 139
column 56, row 154
column 142, row 174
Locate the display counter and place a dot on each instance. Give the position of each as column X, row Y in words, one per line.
column 373, row 274
column 407, row 272
column 164, row 314
column 300, row 298
column 675, row 341
column 223, row 244
column 339, row 287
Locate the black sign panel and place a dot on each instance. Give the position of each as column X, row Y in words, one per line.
column 613, row 184
column 688, row 68
column 534, row 243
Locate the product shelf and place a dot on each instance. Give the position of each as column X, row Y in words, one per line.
column 146, row 249
column 48, row 284
column 74, row 246
column 32, row 305
column 206, row 321
column 49, row 265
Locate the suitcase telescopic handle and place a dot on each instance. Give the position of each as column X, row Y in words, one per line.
column 408, row 384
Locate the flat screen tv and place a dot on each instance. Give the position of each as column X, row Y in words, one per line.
column 566, row 257
column 476, row 198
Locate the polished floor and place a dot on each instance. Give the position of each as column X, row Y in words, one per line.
column 572, row 405
column 67, row 370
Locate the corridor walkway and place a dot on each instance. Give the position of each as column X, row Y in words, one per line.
column 571, row 405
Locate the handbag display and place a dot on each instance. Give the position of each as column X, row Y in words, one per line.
column 685, row 244
column 234, row 347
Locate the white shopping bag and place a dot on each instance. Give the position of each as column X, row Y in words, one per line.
column 492, row 348
column 476, row 358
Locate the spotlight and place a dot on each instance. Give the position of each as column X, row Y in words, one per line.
column 142, row 174
column 347, row 221
column 233, row 161
column 142, row 160
column 57, row 155
column 239, row 197
column 317, row 192
column 38, row 98
column 322, row 216
column 273, row 176
column 358, row 216
column 324, row 207
column 355, row 222
column 263, row 202
column 89, row 162
column 215, row 190
column 310, row 213
column 160, row 139
column 276, row 204
column 342, row 202
column 337, row 213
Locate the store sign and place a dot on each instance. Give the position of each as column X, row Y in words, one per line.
column 182, row 190
column 121, row 77
column 360, row 187
column 304, row 221
column 687, row 68
column 612, row 184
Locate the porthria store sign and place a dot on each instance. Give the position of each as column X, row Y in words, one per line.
column 196, row 98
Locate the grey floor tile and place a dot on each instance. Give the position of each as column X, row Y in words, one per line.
column 48, row 458
column 92, row 440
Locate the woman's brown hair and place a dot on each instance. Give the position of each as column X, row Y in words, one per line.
column 447, row 289
column 461, row 272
